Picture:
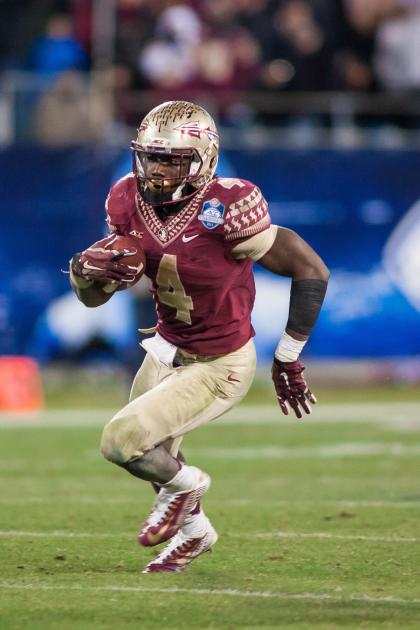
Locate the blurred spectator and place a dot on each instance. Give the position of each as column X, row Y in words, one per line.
column 357, row 45
column 218, row 13
column 136, row 23
column 169, row 60
column 367, row 16
column 397, row 53
column 74, row 111
column 57, row 50
column 181, row 24
column 297, row 52
column 216, row 50
column 228, row 61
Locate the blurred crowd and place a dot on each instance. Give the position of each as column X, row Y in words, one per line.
column 271, row 44
column 219, row 47
column 225, row 44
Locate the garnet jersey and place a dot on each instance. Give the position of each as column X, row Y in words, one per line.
column 198, row 260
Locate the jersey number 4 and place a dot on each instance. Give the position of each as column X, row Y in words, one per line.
column 171, row 290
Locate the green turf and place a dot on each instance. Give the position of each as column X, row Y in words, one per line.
column 93, row 389
column 355, row 564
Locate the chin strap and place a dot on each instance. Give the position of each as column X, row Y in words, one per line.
column 176, row 195
column 166, row 199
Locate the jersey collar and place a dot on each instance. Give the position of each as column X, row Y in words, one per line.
column 166, row 232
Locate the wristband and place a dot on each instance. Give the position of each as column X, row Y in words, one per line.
column 306, row 297
column 288, row 348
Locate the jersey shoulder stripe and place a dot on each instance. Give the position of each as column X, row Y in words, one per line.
column 246, row 209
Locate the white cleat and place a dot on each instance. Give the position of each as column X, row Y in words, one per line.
column 196, row 537
column 171, row 511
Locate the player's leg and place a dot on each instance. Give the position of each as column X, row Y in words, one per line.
column 181, row 487
column 183, row 400
column 181, row 459
column 156, row 465
column 161, row 464
column 149, row 375
column 196, row 530
column 195, row 537
column 130, row 439
column 168, row 403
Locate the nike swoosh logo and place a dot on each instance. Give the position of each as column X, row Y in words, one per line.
column 186, row 239
column 156, row 539
column 233, row 380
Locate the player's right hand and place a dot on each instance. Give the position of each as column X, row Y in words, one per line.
column 291, row 387
column 98, row 263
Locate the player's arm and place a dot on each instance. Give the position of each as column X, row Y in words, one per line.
column 291, row 256
column 95, row 273
column 89, row 292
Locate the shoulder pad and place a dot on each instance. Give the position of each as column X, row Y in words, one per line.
column 232, row 186
column 120, row 204
column 246, row 211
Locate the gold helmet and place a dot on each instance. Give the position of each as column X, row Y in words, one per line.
column 182, row 135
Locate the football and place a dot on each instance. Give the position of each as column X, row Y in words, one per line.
column 136, row 260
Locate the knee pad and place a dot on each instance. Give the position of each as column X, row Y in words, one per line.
column 123, row 439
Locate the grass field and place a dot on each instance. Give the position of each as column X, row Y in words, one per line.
column 318, row 523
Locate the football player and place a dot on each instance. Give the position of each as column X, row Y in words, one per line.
column 201, row 235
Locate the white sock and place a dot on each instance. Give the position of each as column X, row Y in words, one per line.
column 185, row 479
column 195, row 525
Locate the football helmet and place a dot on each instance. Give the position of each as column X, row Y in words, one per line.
column 175, row 153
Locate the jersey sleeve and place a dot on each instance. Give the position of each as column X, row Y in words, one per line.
column 120, row 204
column 256, row 246
column 246, row 214
column 247, row 225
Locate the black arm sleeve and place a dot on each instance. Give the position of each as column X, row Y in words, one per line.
column 306, row 297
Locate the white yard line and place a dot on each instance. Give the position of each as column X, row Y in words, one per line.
column 319, row 451
column 252, row 535
column 61, row 534
column 322, row 451
column 349, row 503
column 364, row 598
column 397, row 413
column 133, row 499
column 328, row 536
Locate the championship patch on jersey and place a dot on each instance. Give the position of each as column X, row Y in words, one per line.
column 212, row 214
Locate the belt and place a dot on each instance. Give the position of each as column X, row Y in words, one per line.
column 186, row 358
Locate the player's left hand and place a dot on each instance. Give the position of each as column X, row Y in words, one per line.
column 102, row 262
column 291, row 387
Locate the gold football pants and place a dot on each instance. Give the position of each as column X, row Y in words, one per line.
column 166, row 403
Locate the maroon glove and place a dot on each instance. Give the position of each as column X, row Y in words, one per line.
column 291, row 387
column 99, row 262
